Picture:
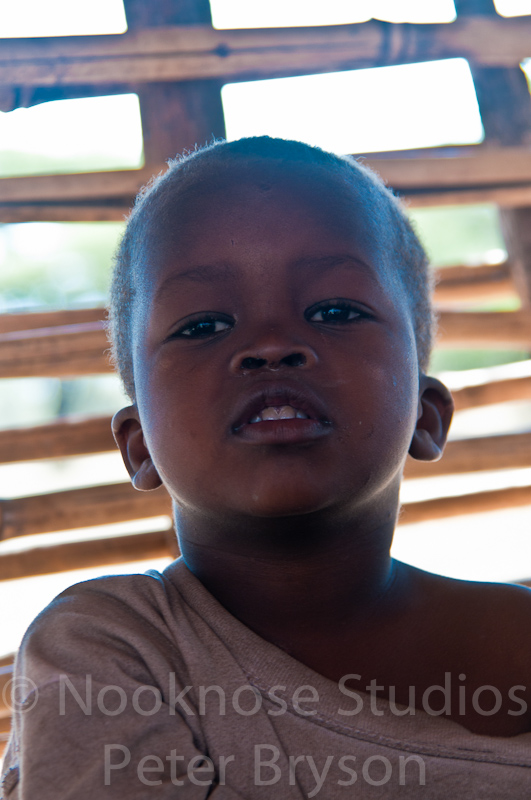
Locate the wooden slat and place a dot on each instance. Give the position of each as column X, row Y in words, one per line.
column 477, row 503
column 195, row 52
column 506, row 196
column 69, row 436
column 91, row 553
column 483, row 166
column 49, row 319
column 78, row 187
column 67, row 350
column 73, row 212
column 79, row 508
column 465, row 284
column 479, row 172
column 505, row 330
column 83, row 349
column 503, row 195
column 485, row 394
column 512, row 451
column 73, row 436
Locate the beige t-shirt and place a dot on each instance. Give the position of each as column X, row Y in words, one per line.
column 142, row 686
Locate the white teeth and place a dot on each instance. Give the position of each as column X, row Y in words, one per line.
column 278, row 412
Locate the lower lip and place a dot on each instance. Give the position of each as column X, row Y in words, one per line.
column 283, row 431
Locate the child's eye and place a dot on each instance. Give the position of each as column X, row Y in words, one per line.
column 203, row 327
column 334, row 311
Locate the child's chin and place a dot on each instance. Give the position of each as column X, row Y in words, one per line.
column 286, row 506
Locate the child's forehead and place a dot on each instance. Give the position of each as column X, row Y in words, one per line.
column 334, row 199
column 305, row 181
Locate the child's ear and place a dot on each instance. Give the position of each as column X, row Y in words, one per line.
column 127, row 432
column 435, row 410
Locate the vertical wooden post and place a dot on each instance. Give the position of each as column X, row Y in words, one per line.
column 505, row 106
column 516, row 227
column 157, row 13
column 503, row 94
column 483, row 8
column 175, row 116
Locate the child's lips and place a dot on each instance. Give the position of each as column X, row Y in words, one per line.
column 283, row 431
column 280, row 414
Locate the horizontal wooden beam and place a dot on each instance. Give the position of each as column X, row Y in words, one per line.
column 82, row 349
column 74, row 436
column 507, row 196
column 477, row 503
column 80, row 508
column 473, row 284
column 499, row 391
column 89, row 553
column 69, row 436
column 49, row 319
column 62, row 189
column 5, row 727
column 197, row 52
column 512, row 451
column 71, row 212
column 503, row 195
column 479, row 168
column 499, row 174
column 485, row 329
column 67, row 350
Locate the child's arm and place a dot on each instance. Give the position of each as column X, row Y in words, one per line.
column 93, row 719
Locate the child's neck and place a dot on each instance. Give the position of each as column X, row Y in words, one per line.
column 286, row 576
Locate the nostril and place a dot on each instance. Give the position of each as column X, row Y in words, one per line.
column 294, row 360
column 253, row 363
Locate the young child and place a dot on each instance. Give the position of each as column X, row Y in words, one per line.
column 271, row 322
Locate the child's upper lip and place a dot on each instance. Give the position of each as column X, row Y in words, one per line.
column 279, row 393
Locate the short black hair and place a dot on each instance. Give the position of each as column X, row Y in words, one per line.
column 409, row 257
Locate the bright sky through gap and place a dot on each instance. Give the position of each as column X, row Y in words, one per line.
column 300, row 13
column 361, row 111
column 102, row 132
column 30, row 18
column 513, row 8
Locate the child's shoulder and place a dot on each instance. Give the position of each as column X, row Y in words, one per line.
column 106, row 606
column 489, row 621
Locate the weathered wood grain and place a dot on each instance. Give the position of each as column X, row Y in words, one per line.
column 80, row 508
column 90, row 553
column 512, row 451
column 477, row 503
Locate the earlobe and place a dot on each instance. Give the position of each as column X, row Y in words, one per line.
column 436, row 407
column 127, row 432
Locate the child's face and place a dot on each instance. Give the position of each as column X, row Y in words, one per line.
column 272, row 291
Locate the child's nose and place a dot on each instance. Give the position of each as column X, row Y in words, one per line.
column 273, row 355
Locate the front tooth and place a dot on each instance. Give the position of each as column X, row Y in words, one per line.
column 278, row 412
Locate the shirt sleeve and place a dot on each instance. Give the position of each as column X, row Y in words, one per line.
column 102, row 710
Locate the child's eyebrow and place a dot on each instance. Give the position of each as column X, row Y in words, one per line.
column 343, row 260
column 200, row 274
column 207, row 273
